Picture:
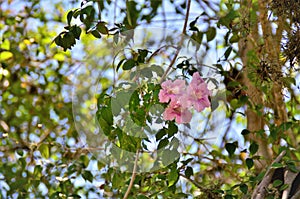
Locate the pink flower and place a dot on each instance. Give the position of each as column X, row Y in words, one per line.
column 177, row 111
column 171, row 90
column 197, row 93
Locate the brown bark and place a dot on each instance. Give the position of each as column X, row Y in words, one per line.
column 255, row 121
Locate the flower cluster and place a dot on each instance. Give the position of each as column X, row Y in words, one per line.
column 182, row 97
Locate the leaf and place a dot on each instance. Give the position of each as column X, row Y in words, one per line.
column 185, row 162
column 163, row 143
column 193, row 23
column 87, row 175
column 227, row 52
column 5, row 55
column 142, row 197
column 197, row 37
column 230, row 148
column 173, row 177
column 96, row 34
column 161, row 133
column 69, row 17
column 44, row 150
column 277, row 165
column 169, row 156
column 76, row 30
column 245, row 132
column 235, row 38
column 253, row 148
column 244, row 188
column 157, row 69
column 211, row 33
column 119, row 64
column 283, row 187
column 101, row 27
column 172, row 129
column 249, row 163
column 277, row 183
column 189, row 172
column 129, row 64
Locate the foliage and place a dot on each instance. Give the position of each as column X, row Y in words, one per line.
column 44, row 152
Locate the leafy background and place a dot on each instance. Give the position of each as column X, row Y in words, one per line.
column 43, row 43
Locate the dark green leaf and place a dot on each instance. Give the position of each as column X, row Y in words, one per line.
column 172, row 129
column 189, row 172
column 87, row 175
column 244, row 188
column 245, row 132
column 96, row 34
column 185, row 162
column 69, row 17
column 129, row 64
column 253, row 148
column 249, row 163
column 120, row 64
column 227, row 52
column 163, row 143
column 161, row 133
column 76, row 31
column 230, row 148
column 211, row 33
column 142, row 197
column 101, row 27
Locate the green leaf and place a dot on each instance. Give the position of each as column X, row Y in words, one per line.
column 193, row 23
column 244, row 188
column 249, row 163
column 129, row 64
column 253, row 148
column 161, row 133
column 87, row 175
column 69, row 17
column 142, row 197
column 277, row 165
column 245, row 132
column 157, row 69
column 96, row 34
column 120, row 64
column 189, row 172
column 101, row 27
column 185, row 162
column 227, row 52
column 163, row 143
column 76, row 30
column 173, row 177
column 172, row 129
column 211, row 33
column 169, row 156
column 235, row 38
column 277, row 183
column 283, row 187
column 44, row 150
column 197, row 36
column 230, row 148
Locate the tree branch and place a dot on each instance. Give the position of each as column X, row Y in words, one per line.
column 260, row 191
column 133, row 175
column 181, row 41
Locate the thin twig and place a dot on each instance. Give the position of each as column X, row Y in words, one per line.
column 133, row 175
column 180, row 43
